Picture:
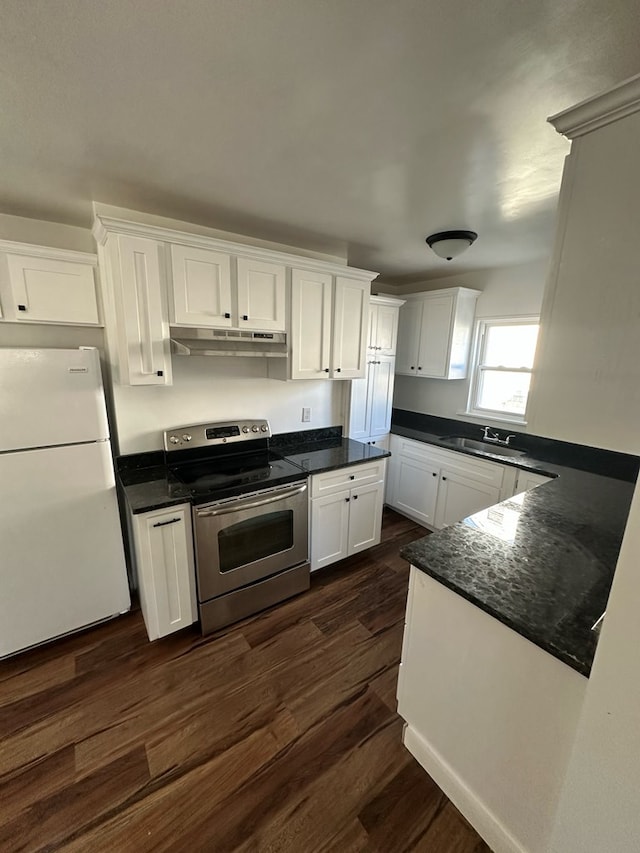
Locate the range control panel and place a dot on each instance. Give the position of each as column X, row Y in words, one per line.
column 210, row 435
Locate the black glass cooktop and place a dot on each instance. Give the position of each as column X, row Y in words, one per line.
column 212, row 478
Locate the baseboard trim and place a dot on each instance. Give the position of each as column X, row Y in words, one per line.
column 474, row 810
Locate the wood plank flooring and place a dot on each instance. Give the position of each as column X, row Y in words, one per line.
column 277, row 734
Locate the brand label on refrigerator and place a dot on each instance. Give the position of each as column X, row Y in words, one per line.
column 78, row 369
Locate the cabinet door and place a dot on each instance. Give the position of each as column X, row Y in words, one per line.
column 529, row 480
column 201, row 287
column 166, row 577
column 381, row 395
column 311, row 296
column 459, row 497
column 415, row 489
column 350, row 328
column 261, row 290
column 47, row 290
column 435, row 333
column 144, row 354
column 365, row 517
column 359, row 414
column 329, row 529
column 386, row 329
column 409, row 323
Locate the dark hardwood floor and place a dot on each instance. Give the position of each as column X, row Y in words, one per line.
column 277, row 734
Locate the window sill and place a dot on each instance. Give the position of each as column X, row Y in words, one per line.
column 495, row 418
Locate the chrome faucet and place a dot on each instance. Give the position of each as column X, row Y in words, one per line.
column 494, row 437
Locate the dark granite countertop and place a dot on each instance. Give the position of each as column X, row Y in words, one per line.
column 541, row 563
column 148, row 485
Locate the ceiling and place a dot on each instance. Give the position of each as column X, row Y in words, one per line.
column 355, row 127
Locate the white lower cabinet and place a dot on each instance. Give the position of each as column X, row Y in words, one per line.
column 438, row 487
column 346, row 512
column 163, row 546
column 460, row 496
column 529, row 480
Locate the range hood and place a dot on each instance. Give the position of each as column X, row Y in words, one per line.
column 186, row 341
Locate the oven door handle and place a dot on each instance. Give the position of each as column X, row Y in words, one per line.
column 237, row 506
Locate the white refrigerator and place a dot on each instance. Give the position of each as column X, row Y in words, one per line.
column 61, row 554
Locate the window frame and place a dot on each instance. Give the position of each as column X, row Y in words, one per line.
column 480, row 338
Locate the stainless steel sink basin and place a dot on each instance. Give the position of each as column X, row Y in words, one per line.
column 484, row 446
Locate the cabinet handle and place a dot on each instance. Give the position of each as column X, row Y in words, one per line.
column 227, row 316
column 159, row 372
column 412, row 367
column 434, row 474
column 326, row 370
column 444, row 478
column 355, row 497
column 245, row 316
column 378, row 347
column 419, row 368
column 338, row 370
column 163, row 523
column 346, row 500
column 22, row 307
column 352, row 476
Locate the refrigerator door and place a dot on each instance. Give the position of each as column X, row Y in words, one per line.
column 49, row 397
column 61, row 560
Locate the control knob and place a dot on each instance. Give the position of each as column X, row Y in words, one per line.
column 255, row 428
column 263, row 428
column 174, row 439
column 186, row 437
column 245, row 429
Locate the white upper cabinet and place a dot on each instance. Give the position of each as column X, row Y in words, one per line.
column 261, row 295
column 136, row 317
column 435, row 333
column 350, row 325
column 45, row 285
column 383, row 325
column 311, row 315
column 201, row 287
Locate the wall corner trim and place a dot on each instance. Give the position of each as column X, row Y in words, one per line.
column 600, row 110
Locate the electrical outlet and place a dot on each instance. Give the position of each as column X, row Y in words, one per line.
column 306, row 414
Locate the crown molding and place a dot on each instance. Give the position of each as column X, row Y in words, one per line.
column 386, row 299
column 34, row 251
column 106, row 225
column 600, row 110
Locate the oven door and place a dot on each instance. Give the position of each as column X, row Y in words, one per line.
column 247, row 539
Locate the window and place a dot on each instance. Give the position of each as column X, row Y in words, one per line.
column 501, row 377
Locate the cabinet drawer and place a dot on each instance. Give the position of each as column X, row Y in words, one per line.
column 354, row 475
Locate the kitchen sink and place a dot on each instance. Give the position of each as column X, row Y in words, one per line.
column 484, row 446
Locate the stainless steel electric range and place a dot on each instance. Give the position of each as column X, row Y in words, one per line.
column 250, row 518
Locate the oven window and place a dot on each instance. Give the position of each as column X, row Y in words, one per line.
column 254, row 539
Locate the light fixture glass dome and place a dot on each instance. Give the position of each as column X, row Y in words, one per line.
column 450, row 244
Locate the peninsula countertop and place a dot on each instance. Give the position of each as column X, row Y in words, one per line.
column 541, row 562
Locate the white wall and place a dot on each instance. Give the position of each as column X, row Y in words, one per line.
column 598, row 808
column 218, row 389
column 506, row 291
column 42, row 233
column 586, row 385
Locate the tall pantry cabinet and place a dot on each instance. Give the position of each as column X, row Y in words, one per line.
column 371, row 398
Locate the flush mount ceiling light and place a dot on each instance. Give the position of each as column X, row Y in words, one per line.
column 450, row 244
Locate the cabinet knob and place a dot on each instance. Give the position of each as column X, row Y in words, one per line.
column 355, row 497
column 352, row 476
column 227, row 316
column 444, row 478
column 419, row 368
column 159, row 372
column 346, row 500
column 245, row 316
column 412, row 367
column 326, row 370
column 22, row 307
column 434, row 474
column 338, row 370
